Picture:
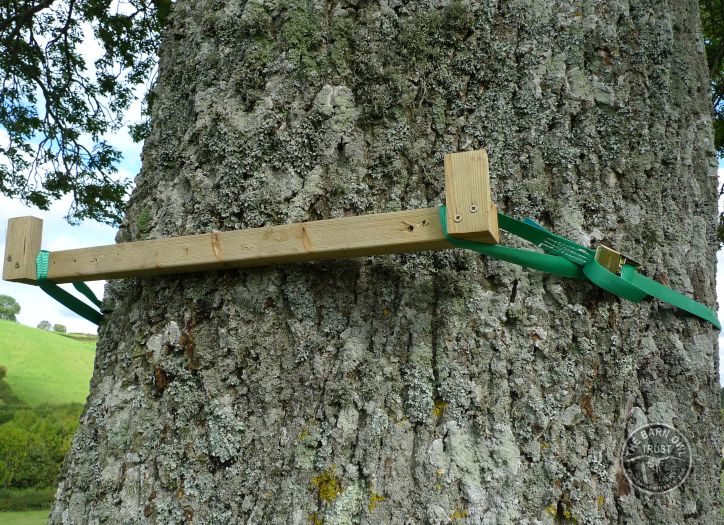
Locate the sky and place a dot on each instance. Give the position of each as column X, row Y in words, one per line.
column 720, row 284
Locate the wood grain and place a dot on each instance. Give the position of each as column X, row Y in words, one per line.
column 22, row 244
column 398, row 232
column 471, row 213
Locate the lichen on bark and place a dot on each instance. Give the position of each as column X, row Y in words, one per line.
column 426, row 388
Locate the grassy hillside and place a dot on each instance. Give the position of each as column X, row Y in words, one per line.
column 44, row 367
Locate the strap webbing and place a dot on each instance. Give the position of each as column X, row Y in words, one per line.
column 69, row 301
column 567, row 258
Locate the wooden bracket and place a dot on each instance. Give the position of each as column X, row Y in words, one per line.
column 471, row 213
column 468, row 198
column 22, row 245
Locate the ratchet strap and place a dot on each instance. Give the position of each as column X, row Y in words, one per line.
column 604, row 267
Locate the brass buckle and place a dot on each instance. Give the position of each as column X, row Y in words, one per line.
column 612, row 260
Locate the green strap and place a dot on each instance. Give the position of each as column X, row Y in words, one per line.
column 567, row 258
column 85, row 290
column 635, row 287
column 538, row 261
column 63, row 297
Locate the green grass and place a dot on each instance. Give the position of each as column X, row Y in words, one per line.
column 27, row 517
column 43, row 367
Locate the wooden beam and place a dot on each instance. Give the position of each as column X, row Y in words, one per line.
column 22, row 244
column 471, row 213
column 356, row 236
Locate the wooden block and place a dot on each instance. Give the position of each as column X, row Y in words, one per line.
column 471, row 213
column 22, row 245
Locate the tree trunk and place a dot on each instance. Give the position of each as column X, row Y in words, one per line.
column 429, row 388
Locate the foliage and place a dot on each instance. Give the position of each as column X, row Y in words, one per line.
column 33, row 444
column 45, row 325
column 60, row 328
column 55, row 108
column 45, row 367
column 3, row 372
column 712, row 22
column 9, row 308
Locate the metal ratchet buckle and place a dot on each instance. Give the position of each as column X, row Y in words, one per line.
column 612, row 260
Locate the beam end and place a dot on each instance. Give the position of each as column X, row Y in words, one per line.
column 22, row 244
column 471, row 213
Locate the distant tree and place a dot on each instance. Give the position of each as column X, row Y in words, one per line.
column 3, row 372
column 60, row 328
column 9, row 308
column 33, row 443
column 45, row 325
column 15, row 443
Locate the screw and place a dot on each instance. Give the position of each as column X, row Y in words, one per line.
column 17, row 265
column 10, row 258
column 458, row 218
column 473, row 208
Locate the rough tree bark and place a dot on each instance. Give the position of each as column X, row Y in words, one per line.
column 429, row 388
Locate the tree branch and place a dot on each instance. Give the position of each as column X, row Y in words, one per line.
column 23, row 17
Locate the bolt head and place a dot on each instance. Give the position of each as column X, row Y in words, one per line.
column 473, row 208
column 458, row 218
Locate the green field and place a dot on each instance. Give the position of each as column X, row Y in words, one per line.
column 28, row 517
column 44, row 367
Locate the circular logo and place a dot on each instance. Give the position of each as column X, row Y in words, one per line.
column 656, row 458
